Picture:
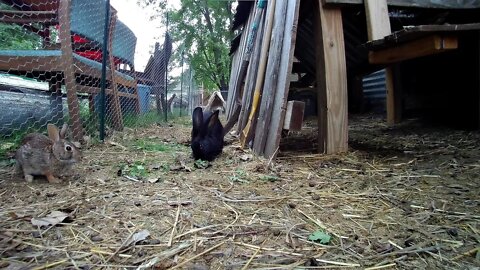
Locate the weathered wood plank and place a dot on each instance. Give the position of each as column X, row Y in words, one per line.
column 378, row 26
column 236, row 78
column 69, row 70
column 281, row 95
column 443, row 4
column 117, row 109
column 251, row 77
column 422, row 47
column 294, row 115
column 331, row 81
column 271, row 78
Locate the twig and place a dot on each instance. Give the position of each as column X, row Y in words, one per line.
column 198, row 255
column 381, row 266
column 339, row 263
column 174, row 226
column 251, row 259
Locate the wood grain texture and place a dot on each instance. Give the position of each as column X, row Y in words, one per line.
column 443, row 4
column 378, row 22
column 332, row 81
column 422, row 47
column 280, row 102
column 271, row 78
column 69, row 70
column 117, row 110
column 251, row 76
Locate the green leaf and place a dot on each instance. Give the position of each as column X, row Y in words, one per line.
column 320, row 236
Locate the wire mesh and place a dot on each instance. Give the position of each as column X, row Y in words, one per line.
column 50, row 72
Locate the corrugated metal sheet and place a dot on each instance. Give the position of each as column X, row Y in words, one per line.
column 375, row 90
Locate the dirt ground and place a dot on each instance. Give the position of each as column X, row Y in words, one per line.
column 405, row 197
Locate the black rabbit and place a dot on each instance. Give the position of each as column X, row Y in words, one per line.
column 207, row 134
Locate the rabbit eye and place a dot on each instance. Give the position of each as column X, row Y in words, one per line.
column 68, row 148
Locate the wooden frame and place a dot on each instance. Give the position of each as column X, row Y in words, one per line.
column 71, row 66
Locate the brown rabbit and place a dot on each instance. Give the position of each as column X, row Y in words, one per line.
column 50, row 156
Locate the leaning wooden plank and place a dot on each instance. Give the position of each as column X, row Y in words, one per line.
column 426, row 46
column 117, row 110
column 331, row 81
column 249, row 130
column 444, row 4
column 281, row 95
column 251, row 77
column 271, row 78
column 69, row 70
column 243, row 57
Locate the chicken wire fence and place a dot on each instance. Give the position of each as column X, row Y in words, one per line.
column 52, row 70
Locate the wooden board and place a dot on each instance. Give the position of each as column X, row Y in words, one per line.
column 331, row 81
column 271, row 77
column 294, row 115
column 443, row 4
column 417, row 32
column 69, row 71
column 117, row 109
column 274, row 130
column 425, row 46
column 236, row 80
column 251, row 77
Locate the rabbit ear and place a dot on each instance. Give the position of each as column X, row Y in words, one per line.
column 63, row 132
column 197, row 119
column 53, row 133
column 213, row 119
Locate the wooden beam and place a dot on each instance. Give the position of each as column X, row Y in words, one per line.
column 378, row 26
column 422, row 47
column 275, row 128
column 69, row 70
column 117, row 109
column 331, row 81
column 444, row 4
column 271, row 78
column 25, row 17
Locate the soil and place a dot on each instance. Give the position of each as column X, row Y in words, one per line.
column 403, row 197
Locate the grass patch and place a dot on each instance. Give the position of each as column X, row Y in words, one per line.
column 149, row 146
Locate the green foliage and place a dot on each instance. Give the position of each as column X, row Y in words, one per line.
column 201, row 164
column 239, row 176
column 137, row 169
column 15, row 37
column 203, row 27
column 320, row 236
column 270, row 178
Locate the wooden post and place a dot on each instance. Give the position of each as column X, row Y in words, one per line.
column 69, row 70
column 56, row 106
column 378, row 26
column 117, row 109
column 331, row 81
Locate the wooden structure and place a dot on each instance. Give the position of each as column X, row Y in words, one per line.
column 332, row 44
column 76, row 63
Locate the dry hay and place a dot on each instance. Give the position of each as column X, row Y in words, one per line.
column 404, row 197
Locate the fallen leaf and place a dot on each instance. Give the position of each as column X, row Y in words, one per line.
column 153, row 180
column 52, row 219
column 319, row 236
column 246, row 157
column 137, row 237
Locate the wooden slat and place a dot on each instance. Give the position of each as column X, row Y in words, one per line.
column 417, row 32
column 418, row 48
column 378, row 22
column 251, row 77
column 378, row 26
column 286, row 63
column 271, row 78
column 331, row 81
column 444, row 4
column 24, row 17
column 29, row 63
column 69, row 71
column 117, row 109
